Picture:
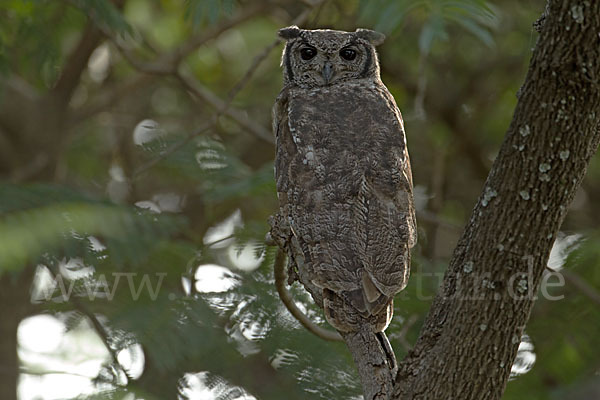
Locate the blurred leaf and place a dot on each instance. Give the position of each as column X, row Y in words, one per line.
column 104, row 13
column 476, row 16
column 199, row 11
column 23, row 197
column 43, row 224
column 432, row 30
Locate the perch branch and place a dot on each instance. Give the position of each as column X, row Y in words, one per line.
column 287, row 300
column 374, row 360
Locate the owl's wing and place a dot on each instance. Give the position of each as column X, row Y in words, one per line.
column 345, row 194
column 385, row 214
column 282, row 230
column 284, row 145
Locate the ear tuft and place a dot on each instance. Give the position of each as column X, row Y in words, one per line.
column 290, row 32
column 375, row 38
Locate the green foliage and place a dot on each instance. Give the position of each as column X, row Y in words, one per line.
column 89, row 230
column 104, row 13
column 200, row 11
column 41, row 219
column 564, row 331
column 476, row 16
column 22, row 22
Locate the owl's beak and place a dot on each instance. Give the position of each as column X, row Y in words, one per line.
column 327, row 72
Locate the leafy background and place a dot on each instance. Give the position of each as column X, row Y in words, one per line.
column 135, row 142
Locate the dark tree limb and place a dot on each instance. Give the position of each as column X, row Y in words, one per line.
column 75, row 64
column 371, row 353
column 489, row 288
column 77, row 61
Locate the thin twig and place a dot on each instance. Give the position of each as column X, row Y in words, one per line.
column 419, row 103
column 401, row 336
column 96, row 324
column 209, row 244
column 168, row 63
column 287, row 300
column 224, row 108
column 580, row 284
column 172, row 149
column 193, row 43
column 253, row 67
column 98, row 327
column 109, row 98
column 195, row 87
column 436, row 219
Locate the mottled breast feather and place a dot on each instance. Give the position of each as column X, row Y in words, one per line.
column 344, row 183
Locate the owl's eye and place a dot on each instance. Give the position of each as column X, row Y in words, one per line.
column 348, row 54
column 307, row 53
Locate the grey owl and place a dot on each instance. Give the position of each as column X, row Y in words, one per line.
column 346, row 213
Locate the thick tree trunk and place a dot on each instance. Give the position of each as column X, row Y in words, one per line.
column 471, row 335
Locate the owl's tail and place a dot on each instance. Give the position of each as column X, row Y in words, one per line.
column 348, row 311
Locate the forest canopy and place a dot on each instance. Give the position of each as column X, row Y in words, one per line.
column 136, row 183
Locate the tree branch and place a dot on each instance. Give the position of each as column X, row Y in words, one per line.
column 75, row 64
column 77, row 61
column 168, row 63
column 173, row 148
column 287, row 300
column 100, row 330
column 579, row 283
column 488, row 291
column 109, row 98
column 370, row 353
column 222, row 107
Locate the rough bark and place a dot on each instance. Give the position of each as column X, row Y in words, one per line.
column 470, row 337
column 374, row 360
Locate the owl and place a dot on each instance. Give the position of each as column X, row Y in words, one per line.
column 346, row 214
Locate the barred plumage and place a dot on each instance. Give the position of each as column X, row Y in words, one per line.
column 346, row 216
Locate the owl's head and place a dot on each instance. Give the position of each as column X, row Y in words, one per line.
column 324, row 57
